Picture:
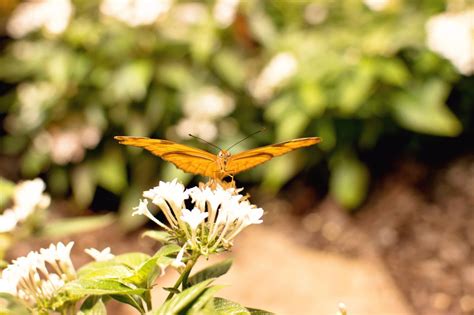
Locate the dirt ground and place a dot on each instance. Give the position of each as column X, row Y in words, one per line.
column 408, row 250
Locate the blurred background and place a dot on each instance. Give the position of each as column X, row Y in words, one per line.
column 387, row 84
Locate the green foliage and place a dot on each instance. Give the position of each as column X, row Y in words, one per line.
column 11, row 306
column 102, row 77
column 127, row 278
column 70, row 226
column 93, row 306
column 213, row 271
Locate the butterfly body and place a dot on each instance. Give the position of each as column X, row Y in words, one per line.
column 217, row 167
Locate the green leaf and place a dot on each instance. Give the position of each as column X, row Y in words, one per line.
column 80, row 288
column 130, row 82
column 146, row 274
column 111, row 170
column 292, row 124
column 6, row 190
column 132, row 260
column 184, row 299
column 11, row 305
column 135, row 300
column 213, row 271
column 313, row 98
column 83, row 184
column 222, row 306
column 230, row 66
column 104, row 270
column 160, row 236
column 130, row 200
column 349, row 180
column 355, row 88
column 423, row 110
column 201, row 302
column 256, row 311
column 70, row 226
column 93, row 306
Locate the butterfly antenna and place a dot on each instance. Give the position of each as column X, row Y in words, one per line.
column 250, row 135
column 201, row 139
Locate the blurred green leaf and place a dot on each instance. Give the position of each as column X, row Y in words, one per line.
column 230, row 67
column 160, row 236
column 111, row 170
column 129, row 201
column 313, row 98
column 422, row 110
column 130, row 83
column 349, row 180
column 33, row 163
column 63, row 227
column 291, row 125
column 83, row 184
column 6, row 191
column 11, row 305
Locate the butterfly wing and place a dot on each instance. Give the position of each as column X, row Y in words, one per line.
column 251, row 158
column 187, row 158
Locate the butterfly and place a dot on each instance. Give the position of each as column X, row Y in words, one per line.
column 217, row 167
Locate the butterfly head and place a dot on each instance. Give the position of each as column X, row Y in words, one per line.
column 223, row 154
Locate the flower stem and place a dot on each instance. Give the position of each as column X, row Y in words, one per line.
column 183, row 278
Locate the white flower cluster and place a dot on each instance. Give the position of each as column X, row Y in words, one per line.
column 68, row 144
column 202, row 109
column 28, row 197
column 224, row 12
column 100, row 255
column 39, row 275
column 135, row 12
column 276, row 73
column 29, row 16
column 452, row 36
column 377, row 5
column 215, row 219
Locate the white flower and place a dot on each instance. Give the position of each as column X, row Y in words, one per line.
column 204, row 129
column 68, row 144
column 33, row 98
column 217, row 216
column 37, row 277
column 98, row 255
column 208, row 103
column 342, row 309
column 452, row 36
column 224, row 12
column 142, row 209
column 8, row 286
column 178, row 261
column 377, row 5
column 315, row 13
column 29, row 16
column 27, row 198
column 59, row 255
column 201, row 110
column 253, row 216
column 275, row 74
column 136, row 12
column 194, row 217
column 171, row 192
column 8, row 221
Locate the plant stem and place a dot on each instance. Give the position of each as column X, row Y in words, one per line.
column 183, row 278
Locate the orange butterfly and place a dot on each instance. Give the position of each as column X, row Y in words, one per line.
column 217, row 167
